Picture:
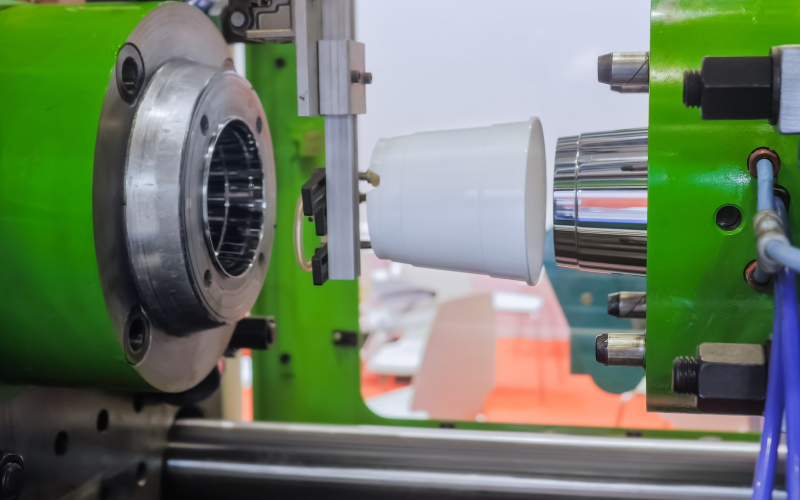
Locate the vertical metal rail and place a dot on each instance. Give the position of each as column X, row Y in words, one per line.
column 341, row 157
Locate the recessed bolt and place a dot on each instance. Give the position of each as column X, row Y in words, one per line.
column 129, row 73
column 238, row 19
column 13, row 476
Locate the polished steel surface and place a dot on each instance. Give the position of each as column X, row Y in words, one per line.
column 174, row 37
column 234, row 199
column 628, row 304
column 110, row 444
column 206, row 457
column 600, row 202
column 153, row 190
column 341, row 161
column 620, row 349
column 625, row 72
column 178, row 161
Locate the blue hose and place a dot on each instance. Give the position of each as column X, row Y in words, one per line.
column 786, row 287
column 784, row 381
column 765, row 175
column 773, row 414
column 787, row 255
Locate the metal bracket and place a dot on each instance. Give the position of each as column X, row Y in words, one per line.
column 341, row 75
column 315, row 205
column 319, row 265
column 331, row 81
column 282, row 21
column 345, row 338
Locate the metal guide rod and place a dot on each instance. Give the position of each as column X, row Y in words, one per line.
column 210, row 457
column 341, row 161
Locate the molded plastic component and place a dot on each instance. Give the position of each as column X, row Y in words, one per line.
column 469, row 200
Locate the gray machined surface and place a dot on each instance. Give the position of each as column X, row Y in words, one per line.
column 341, row 167
column 95, row 463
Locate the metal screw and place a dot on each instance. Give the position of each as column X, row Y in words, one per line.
column 359, row 77
column 685, row 372
column 238, row 19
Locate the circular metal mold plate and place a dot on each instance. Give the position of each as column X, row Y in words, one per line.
column 229, row 97
column 170, row 32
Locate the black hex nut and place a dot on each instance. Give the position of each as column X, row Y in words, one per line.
column 726, row 378
column 731, row 88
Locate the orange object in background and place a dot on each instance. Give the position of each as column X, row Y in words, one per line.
column 246, row 366
column 534, row 386
column 533, row 379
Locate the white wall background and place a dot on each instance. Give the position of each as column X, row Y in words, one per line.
column 445, row 64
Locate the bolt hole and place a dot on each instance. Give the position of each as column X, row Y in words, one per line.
column 141, row 474
column 204, row 124
column 285, row 358
column 261, row 259
column 136, row 334
column 207, row 278
column 280, row 63
column 259, row 125
column 138, row 403
column 102, row 421
column 130, row 75
column 62, row 441
column 728, row 217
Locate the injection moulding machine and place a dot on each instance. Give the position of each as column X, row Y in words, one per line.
column 152, row 207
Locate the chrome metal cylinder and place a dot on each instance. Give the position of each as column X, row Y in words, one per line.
column 620, row 349
column 600, row 202
column 243, row 460
column 625, row 72
column 628, row 304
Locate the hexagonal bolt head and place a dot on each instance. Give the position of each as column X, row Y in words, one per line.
column 731, row 88
column 726, row 378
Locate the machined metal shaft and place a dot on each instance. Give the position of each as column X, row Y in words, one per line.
column 620, row 349
column 215, row 459
column 625, row 72
column 627, row 304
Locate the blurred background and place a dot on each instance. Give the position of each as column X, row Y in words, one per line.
column 445, row 345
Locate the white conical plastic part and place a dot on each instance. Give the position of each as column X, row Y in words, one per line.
column 470, row 200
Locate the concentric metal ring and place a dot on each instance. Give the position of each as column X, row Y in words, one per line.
column 184, row 346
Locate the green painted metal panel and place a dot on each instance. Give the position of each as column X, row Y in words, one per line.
column 304, row 377
column 55, row 65
column 696, row 291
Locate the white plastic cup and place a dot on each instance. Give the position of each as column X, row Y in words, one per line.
column 470, row 200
